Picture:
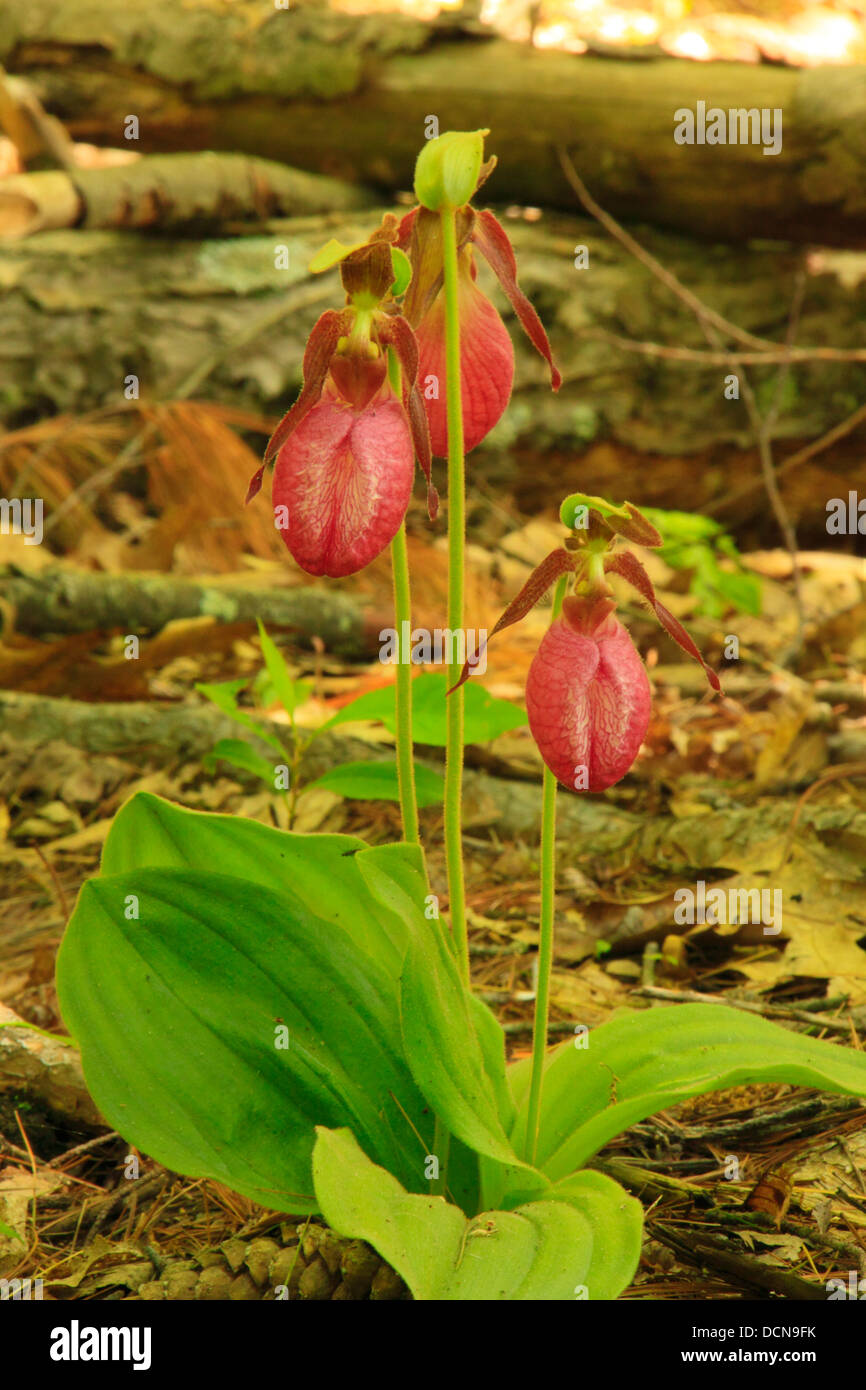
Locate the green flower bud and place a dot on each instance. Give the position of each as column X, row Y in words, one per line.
column 447, row 169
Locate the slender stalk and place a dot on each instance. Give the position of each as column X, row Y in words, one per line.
column 403, row 614
column 405, row 761
column 456, row 546
column 545, row 945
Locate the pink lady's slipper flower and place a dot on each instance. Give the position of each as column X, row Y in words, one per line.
column 486, row 351
column 345, row 452
column 588, row 696
column 587, row 692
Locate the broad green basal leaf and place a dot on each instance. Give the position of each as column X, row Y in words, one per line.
column 220, row 1021
column 640, row 1063
column 321, row 870
column 540, row 1251
column 616, row 1219
column 451, row 1044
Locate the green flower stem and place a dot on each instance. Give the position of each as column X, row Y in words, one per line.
column 405, row 761
column 545, row 946
column 456, row 546
column 403, row 613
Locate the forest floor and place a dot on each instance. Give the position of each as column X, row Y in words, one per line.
column 756, row 1192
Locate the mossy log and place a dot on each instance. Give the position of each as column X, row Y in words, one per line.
column 587, row 826
column 67, row 600
column 349, row 95
column 228, row 319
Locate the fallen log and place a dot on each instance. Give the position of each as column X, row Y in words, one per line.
column 66, row 600
column 587, row 827
column 226, row 315
column 349, row 95
column 204, row 191
column 45, row 1069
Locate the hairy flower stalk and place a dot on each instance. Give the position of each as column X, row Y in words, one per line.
column 456, row 549
column 545, row 932
column 460, row 336
column 403, row 692
column 588, row 697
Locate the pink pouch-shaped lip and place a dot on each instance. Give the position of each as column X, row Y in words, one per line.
column 588, row 699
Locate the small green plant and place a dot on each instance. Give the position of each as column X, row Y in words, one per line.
column 699, row 544
column 486, row 718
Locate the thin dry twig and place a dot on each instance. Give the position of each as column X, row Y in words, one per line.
column 809, row 451
column 712, row 324
column 770, row 357
column 691, row 996
column 702, row 311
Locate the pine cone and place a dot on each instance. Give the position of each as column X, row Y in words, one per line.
column 309, row 1262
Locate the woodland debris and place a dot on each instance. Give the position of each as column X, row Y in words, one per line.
column 711, row 834
column 299, row 1261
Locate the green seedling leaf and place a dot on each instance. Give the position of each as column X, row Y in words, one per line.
column 695, row 542
column 289, row 692
column 240, row 754
column 224, row 696
column 682, row 528
column 365, row 781
column 540, row 1251
column 211, row 1089
column 485, row 716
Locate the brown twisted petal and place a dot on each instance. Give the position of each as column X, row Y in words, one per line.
column 491, row 239
column 553, row 567
column 630, row 568
column 321, row 346
column 395, row 331
column 636, row 528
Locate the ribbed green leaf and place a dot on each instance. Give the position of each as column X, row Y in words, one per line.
column 616, row 1219
column 540, row 1251
column 176, row 985
column 463, row 1080
column 322, row 870
column 640, row 1063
